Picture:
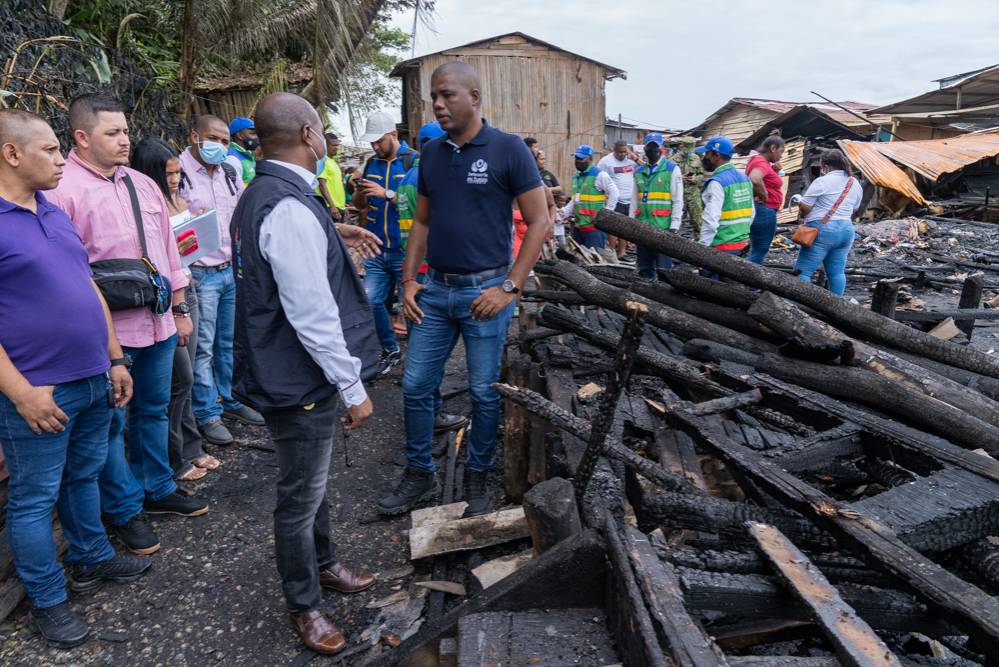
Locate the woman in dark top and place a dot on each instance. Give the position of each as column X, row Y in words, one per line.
column 547, row 177
column 768, row 194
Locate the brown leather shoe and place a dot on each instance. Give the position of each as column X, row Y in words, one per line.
column 341, row 578
column 317, row 632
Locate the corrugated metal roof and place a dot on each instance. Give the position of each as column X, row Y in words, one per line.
column 971, row 89
column 940, row 156
column 880, row 169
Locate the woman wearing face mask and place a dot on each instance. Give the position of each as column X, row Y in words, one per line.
column 829, row 204
column 768, row 195
column 159, row 161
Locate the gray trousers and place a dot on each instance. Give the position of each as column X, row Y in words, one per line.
column 184, row 444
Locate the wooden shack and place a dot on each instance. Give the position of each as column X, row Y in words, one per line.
column 529, row 88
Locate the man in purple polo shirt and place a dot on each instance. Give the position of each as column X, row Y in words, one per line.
column 59, row 359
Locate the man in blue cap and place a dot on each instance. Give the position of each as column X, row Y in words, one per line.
column 658, row 201
column 728, row 199
column 244, row 141
column 592, row 190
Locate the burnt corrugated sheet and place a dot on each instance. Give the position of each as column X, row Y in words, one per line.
column 879, row 169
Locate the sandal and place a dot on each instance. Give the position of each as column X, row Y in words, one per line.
column 207, row 462
column 191, row 475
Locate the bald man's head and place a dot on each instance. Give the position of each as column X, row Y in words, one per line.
column 461, row 73
column 30, row 152
column 290, row 130
column 205, row 122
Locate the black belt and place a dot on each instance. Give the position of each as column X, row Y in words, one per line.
column 466, row 279
column 218, row 267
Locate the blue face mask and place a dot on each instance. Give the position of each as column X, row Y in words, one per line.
column 212, row 152
column 320, row 161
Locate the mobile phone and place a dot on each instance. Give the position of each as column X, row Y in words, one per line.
column 111, row 404
column 689, row 173
column 186, row 235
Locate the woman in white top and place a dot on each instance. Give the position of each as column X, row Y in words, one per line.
column 835, row 238
column 158, row 160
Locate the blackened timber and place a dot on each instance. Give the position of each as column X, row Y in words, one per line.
column 551, row 512
column 673, row 368
column 709, row 351
column 855, row 643
column 967, row 315
column 666, row 318
column 676, row 452
column 515, row 432
column 534, row 334
column 885, row 394
column 705, row 288
column 579, row 427
column 781, row 661
column 983, row 556
column 683, row 636
column 717, row 405
column 624, row 359
column 957, row 601
column 885, row 298
column 551, row 296
column 840, row 569
column 825, row 302
column 758, row 596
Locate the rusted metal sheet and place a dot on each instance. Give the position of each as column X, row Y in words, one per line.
column 880, row 169
column 935, row 158
column 855, row 641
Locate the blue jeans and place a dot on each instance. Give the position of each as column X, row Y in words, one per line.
column 380, row 273
column 595, row 239
column 831, row 247
column 446, row 316
column 650, row 260
column 714, row 276
column 147, row 473
column 422, row 279
column 56, row 469
column 761, row 233
column 213, row 360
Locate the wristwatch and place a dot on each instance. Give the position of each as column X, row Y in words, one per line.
column 181, row 309
column 389, row 194
column 510, row 287
column 125, row 360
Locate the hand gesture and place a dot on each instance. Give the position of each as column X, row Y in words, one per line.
column 39, row 409
column 360, row 240
column 492, row 301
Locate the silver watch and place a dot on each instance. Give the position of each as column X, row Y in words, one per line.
column 389, row 194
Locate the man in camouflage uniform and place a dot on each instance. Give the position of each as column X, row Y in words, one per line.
column 693, row 177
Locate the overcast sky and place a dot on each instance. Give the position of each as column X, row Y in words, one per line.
column 686, row 59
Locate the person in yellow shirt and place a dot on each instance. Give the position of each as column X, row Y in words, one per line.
column 331, row 180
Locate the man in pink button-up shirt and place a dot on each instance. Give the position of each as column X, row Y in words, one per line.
column 94, row 193
column 210, row 186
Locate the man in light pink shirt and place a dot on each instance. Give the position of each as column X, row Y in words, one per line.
column 94, row 192
column 214, row 184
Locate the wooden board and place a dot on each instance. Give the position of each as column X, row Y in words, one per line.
column 499, row 568
column 472, row 533
column 431, row 516
column 855, row 642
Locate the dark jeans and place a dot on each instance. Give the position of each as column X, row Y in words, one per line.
column 593, row 239
column 761, row 233
column 146, row 474
column 185, row 444
column 56, row 469
column 650, row 260
column 303, row 444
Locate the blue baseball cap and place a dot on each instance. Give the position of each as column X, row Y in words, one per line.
column 430, row 131
column 584, row 151
column 240, row 123
column 720, row 145
column 653, row 138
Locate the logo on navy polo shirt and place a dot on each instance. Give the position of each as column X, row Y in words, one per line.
column 478, row 175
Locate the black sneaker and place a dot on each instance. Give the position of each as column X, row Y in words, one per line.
column 120, row 568
column 476, row 494
column 416, row 486
column 138, row 535
column 177, row 502
column 444, row 422
column 388, row 360
column 58, row 625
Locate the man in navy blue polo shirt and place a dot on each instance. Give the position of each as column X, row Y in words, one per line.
column 468, row 182
column 59, row 358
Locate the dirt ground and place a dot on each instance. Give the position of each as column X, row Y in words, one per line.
column 214, row 596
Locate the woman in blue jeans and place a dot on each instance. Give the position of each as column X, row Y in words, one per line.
column 768, row 195
column 835, row 237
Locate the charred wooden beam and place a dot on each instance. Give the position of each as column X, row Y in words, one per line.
column 885, row 394
column 534, row 334
column 967, row 315
column 723, row 404
column 515, row 432
column 855, row 643
column 955, row 600
column 539, row 405
column 666, row 318
column 871, row 324
column 885, row 298
column 676, row 452
column 551, row 512
column 840, row 569
column 711, row 352
column 983, row 557
column 683, row 636
column 624, row 359
column 551, row 296
column 705, row 288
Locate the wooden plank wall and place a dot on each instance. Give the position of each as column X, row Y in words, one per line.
column 737, row 124
column 226, row 104
column 528, row 90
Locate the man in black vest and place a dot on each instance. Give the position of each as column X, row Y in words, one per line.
column 304, row 338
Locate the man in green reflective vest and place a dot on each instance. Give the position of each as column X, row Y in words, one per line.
column 592, row 190
column 244, row 141
column 728, row 199
column 658, row 201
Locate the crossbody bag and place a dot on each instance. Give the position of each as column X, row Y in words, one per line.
column 133, row 283
column 805, row 235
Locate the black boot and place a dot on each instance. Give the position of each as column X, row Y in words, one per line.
column 444, row 422
column 476, row 494
column 58, row 625
column 416, row 486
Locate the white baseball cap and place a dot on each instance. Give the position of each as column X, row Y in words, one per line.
column 379, row 124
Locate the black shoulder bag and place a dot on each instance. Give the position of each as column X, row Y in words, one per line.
column 133, row 283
